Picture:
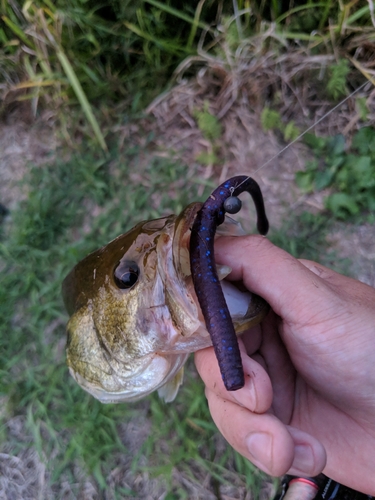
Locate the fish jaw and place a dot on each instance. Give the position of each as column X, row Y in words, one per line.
column 106, row 378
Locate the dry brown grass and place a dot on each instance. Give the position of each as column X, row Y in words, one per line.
column 234, row 88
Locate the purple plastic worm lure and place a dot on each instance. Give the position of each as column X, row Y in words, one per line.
column 205, row 278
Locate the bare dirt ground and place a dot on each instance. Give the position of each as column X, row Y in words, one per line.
column 22, row 142
column 243, row 148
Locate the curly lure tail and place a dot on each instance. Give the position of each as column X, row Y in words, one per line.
column 206, row 282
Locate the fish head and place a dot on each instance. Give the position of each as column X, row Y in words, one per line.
column 133, row 311
column 134, row 315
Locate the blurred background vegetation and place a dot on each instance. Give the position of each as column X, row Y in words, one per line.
column 85, row 75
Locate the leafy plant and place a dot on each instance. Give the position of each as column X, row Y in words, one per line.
column 271, row 120
column 208, row 124
column 348, row 173
column 211, row 130
column 336, row 85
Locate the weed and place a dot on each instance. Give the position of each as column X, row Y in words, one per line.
column 77, row 51
column 211, row 130
column 336, row 85
column 208, row 124
column 348, row 173
column 271, row 120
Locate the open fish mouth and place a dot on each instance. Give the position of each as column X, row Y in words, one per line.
column 127, row 341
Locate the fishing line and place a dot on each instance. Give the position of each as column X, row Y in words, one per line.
column 308, row 129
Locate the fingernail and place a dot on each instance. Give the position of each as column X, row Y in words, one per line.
column 259, row 445
column 246, row 397
column 303, row 458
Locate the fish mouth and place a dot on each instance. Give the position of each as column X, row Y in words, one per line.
column 181, row 239
column 158, row 372
column 246, row 309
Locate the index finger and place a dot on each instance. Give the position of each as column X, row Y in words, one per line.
column 256, row 395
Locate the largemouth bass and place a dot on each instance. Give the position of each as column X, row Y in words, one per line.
column 135, row 316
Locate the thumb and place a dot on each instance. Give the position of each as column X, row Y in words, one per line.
column 274, row 274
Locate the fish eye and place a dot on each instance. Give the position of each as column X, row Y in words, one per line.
column 126, row 274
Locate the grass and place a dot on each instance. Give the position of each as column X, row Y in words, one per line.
column 70, row 430
column 37, row 251
column 88, row 61
column 73, row 433
column 79, row 54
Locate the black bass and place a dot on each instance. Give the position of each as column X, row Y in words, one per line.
column 135, row 316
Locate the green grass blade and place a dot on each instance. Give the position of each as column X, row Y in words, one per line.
column 177, row 13
column 81, row 96
column 325, row 15
column 167, row 45
column 50, row 5
column 357, row 15
column 299, row 9
column 18, row 32
column 302, row 36
column 196, row 23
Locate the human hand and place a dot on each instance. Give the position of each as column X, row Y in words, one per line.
column 308, row 404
